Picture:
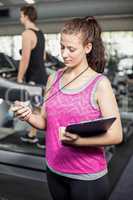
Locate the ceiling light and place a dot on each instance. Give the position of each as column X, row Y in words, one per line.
column 30, row 1
column 1, row 4
column 1, row 101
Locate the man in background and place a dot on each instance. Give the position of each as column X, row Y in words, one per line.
column 31, row 68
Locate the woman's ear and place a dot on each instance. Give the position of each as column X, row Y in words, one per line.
column 88, row 47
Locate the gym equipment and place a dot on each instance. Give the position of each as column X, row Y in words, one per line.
column 11, row 91
column 120, row 172
column 4, row 107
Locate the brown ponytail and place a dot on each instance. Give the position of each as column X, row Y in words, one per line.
column 91, row 32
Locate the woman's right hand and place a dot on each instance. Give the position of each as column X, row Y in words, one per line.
column 21, row 110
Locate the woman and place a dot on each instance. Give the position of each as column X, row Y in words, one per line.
column 76, row 166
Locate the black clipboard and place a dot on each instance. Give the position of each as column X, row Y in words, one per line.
column 91, row 128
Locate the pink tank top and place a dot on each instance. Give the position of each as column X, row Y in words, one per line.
column 66, row 108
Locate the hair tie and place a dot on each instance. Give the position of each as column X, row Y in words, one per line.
column 88, row 18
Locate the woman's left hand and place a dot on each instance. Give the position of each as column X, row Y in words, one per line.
column 66, row 137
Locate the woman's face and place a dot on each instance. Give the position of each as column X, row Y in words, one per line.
column 22, row 18
column 72, row 50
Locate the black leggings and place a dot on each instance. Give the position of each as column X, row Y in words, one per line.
column 63, row 188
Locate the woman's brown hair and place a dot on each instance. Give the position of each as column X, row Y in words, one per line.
column 91, row 33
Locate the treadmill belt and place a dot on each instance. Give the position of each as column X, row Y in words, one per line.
column 13, row 143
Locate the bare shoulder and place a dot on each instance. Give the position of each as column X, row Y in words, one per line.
column 54, row 74
column 104, row 84
column 28, row 33
column 52, row 78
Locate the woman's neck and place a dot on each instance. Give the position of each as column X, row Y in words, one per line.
column 77, row 69
column 87, row 71
column 30, row 25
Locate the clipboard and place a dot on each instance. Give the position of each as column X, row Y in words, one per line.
column 91, row 128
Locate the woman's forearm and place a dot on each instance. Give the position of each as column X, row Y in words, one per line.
column 102, row 140
column 37, row 121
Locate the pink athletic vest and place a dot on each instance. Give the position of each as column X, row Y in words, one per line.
column 66, row 108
